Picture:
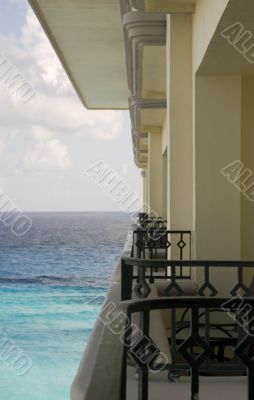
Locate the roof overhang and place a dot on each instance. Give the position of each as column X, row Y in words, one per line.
column 228, row 52
column 147, row 116
column 166, row 6
column 145, row 43
column 88, row 39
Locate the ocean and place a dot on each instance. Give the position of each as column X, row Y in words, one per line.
column 47, row 278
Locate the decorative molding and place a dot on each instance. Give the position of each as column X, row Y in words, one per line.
column 140, row 161
column 140, row 155
column 141, row 158
column 137, row 138
column 138, row 4
column 166, row 6
column 141, row 30
column 137, row 105
column 125, row 7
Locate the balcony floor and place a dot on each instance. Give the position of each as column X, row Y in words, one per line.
column 226, row 388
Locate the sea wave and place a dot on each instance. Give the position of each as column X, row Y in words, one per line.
column 54, row 280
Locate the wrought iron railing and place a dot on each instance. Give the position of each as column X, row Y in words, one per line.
column 196, row 350
column 142, row 216
column 157, row 242
column 149, row 222
column 139, row 274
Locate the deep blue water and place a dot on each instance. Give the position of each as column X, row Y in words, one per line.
column 47, row 278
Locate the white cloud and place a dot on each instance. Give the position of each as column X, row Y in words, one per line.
column 49, row 67
column 2, row 184
column 2, row 145
column 40, row 133
column 55, row 106
column 125, row 170
column 47, row 155
column 21, row 3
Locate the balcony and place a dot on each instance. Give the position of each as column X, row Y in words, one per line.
column 204, row 373
column 166, row 327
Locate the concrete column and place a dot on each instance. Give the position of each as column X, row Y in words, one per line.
column 179, row 109
column 247, row 198
column 144, row 175
column 165, row 184
column 155, row 174
column 217, row 145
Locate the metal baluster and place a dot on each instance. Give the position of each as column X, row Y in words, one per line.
column 151, row 275
column 156, row 245
column 138, row 243
column 250, row 327
column 240, row 276
column 127, row 340
column 207, row 275
column 166, row 252
column 181, row 248
column 251, row 383
column 194, row 366
column 143, row 372
column 240, row 284
column 173, row 335
column 207, row 329
column 207, row 284
column 126, row 280
column 144, row 238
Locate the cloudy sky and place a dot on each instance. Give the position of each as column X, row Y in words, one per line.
column 47, row 143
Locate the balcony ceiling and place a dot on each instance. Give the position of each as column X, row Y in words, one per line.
column 222, row 57
column 87, row 37
column 154, row 72
column 152, row 119
column 165, row 5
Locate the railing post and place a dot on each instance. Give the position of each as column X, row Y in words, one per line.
column 126, row 281
column 143, row 372
column 250, row 383
column 123, row 390
column 126, row 345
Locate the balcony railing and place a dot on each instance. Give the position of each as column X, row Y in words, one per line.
column 139, row 274
column 199, row 335
column 197, row 349
column 158, row 243
column 145, row 221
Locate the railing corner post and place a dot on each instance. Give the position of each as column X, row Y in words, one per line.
column 126, row 280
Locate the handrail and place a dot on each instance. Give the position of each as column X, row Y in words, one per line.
column 145, row 275
column 148, row 263
column 157, row 239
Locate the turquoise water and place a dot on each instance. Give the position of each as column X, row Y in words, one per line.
column 46, row 280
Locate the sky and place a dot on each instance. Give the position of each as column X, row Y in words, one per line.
column 47, row 143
